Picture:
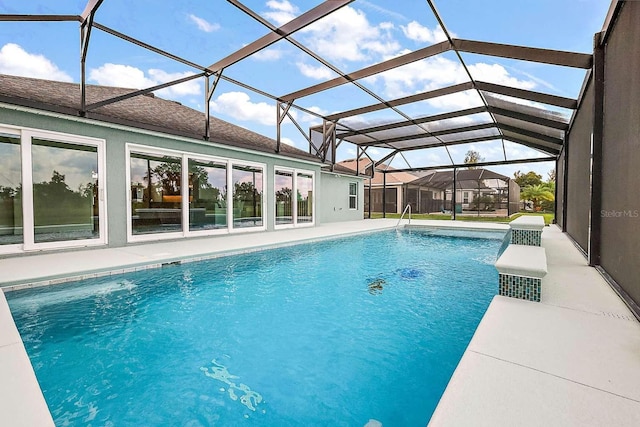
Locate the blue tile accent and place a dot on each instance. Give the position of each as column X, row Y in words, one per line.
column 527, row 288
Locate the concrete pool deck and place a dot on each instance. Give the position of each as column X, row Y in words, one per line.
column 573, row 359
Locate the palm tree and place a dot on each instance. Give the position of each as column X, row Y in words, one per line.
column 537, row 194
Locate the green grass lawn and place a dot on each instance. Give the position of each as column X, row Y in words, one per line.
column 548, row 217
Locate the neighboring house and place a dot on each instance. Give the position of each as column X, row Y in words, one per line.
column 397, row 187
column 141, row 169
column 476, row 190
column 479, row 190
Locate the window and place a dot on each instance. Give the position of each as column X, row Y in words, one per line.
column 283, row 186
column 465, row 198
column 290, row 184
column 353, row 195
column 10, row 190
column 50, row 194
column 207, row 195
column 304, row 194
column 65, row 191
column 155, row 180
column 175, row 194
column 247, row 196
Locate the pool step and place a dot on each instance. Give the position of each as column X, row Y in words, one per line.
column 521, row 269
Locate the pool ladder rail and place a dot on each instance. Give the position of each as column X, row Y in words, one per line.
column 408, row 207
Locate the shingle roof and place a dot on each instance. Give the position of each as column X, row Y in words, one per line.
column 466, row 178
column 393, row 178
column 144, row 112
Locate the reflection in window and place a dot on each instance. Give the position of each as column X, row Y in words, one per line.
column 305, row 197
column 10, row 190
column 156, row 197
column 247, row 196
column 65, row 191
column 208, row 195
column 283, row 189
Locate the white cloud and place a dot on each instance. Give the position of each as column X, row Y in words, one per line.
column 287, row 141
column 16, row 61
column 387, row 26
column 192, row 87
column 119, row 75
column 282, row 6
column 318, row 110
column 457, row 101
column 438, row 72
column 415, row 31
column 539, row 81
column 239, row 106
column 347, row 35
column 281, row 11
column 203, row 25
column 310, row 119
column 419, row 76
column 131, row 77
column 319, row 73
column 269, row 54
column 393, row 14
column 495, row 73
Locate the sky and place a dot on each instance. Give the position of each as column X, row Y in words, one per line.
column 361, row 34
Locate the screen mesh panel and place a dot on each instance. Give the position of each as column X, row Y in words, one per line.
column 578, row 187
column 620, row 215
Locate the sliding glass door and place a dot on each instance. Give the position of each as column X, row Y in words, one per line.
column 65, row 191
column 175, row 194
column 294, row 197
column 50, row 190
column 247, row 196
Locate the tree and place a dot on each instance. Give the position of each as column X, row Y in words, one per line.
column 537, row 194
column 244, row 191
column 7, row 192
column 472, row 157
column 552, row 175
column 170, row 177
column 199, row 177
column 527, row 179
column 284, row 195
column 54, row 191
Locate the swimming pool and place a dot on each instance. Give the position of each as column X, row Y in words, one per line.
column 338, row 332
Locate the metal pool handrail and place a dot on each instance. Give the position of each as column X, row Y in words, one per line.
column 402, row 216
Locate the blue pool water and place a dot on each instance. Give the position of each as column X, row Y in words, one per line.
column 360, row 330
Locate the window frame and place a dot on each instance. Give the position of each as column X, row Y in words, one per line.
column 185, row 156
column 144, row 149
column 185, row 184
column 231, row 191
column 26, row 135
column 353, row 196
column 295, row 172
column 15, row 132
